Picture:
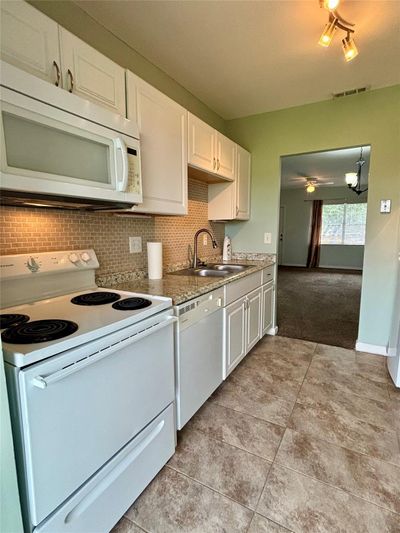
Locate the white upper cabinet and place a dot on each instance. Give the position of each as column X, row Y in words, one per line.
column 231, row 201
column 29, row 40
column 90, row 74
column 242, row 206
column 225, row 156
column 201, row 144
column 162, row 127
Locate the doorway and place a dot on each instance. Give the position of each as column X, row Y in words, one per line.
column 321, row 244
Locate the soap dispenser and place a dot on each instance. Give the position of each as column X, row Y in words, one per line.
column 227, row 249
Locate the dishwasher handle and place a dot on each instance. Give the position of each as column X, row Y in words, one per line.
column 42, row 382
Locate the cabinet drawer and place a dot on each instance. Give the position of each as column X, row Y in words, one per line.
column 268, row 274
column 243, row 286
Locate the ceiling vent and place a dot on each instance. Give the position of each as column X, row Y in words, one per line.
column 351, row 92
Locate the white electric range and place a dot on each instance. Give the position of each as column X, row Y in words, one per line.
column 90, row 374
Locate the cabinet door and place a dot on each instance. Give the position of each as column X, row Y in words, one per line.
column 253, row 333
column 162, row 126
column 201, row 144
column 226, row 156
column 235, row 334
column 243, row 184
column 267, row 306
column 29, row 40
column 90, row 74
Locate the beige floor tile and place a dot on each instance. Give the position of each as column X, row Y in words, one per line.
column 349, row 382
column 252, row 377
column 126, row 526
column 306, row 505
column 353, row 364
column 256, row 402
column 293, row 347
column 369, row 478
column 260, row 524
column 394, row 392
column 243, row 431
column 332, row 422
column 174, row 503
column 222, row 467
column 283, row 365
column 380, row 413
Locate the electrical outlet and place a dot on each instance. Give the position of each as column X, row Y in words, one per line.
column 267, row 238
column 205, row 239
column 135, row 245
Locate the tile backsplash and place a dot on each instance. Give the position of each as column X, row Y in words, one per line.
column 41, row 230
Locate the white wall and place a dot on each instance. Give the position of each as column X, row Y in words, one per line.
column 297, row 227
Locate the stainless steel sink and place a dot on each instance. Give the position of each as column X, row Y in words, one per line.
column 203, row 272
column 229, row 268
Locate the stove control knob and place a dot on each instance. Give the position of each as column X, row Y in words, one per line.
column 73, row 258
column 85, row 257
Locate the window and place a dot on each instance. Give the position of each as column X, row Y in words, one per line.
column 343, row 223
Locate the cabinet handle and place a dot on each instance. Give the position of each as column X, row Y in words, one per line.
column 214, row 163
column 217, row 164
column 71, row 81
column 237, row 210
column 58, row 74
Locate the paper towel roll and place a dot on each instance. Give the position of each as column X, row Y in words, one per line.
column 154, row 259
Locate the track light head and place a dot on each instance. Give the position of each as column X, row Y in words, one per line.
column 328, row 33
column 349, row 48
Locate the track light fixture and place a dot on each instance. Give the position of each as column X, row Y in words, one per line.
column 335, row 22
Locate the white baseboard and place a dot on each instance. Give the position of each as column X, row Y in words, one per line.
column 292, row 265
column 341, row 267
column 371, row 348
column 272, row 331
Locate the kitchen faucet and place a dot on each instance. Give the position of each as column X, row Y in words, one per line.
column 214, row 244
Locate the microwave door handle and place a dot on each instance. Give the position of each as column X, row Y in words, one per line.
column 120, row 146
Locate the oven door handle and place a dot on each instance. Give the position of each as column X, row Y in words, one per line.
column 43, row 382
column 120, row 146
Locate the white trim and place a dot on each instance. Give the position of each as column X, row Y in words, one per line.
column 341, row 267
column 371, row 348
column 272, row 331
column 292, row 265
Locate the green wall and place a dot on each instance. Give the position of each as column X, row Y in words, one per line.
column 368, row 118
column 78, row 22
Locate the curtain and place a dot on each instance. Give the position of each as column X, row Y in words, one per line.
column 314, row 248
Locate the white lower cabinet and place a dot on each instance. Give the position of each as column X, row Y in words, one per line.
column 267, row 306
column 253, row 329
column 235, row 334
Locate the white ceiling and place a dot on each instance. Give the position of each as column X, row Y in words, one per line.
column 328, row 168
column 246, row 57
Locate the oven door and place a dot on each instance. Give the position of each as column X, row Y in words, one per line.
column 80, row 408
column 51, row 151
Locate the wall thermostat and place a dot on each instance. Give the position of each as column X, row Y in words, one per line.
column 385, row 206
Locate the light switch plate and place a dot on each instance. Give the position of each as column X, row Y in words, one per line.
column 135, row 245
column 267, row 238
column 386, row 206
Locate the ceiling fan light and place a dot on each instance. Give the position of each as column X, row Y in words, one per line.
column 310, row 188
column 331, row 5
column 349, row 48
column 351, row 179
column 328, row 33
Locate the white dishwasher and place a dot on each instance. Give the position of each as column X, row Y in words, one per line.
column 199, row 352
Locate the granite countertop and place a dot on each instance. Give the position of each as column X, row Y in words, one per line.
column 183, row 288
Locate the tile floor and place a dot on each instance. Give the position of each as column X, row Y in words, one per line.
column 302, row 437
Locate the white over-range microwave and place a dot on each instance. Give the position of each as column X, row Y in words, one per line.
column 60, row 150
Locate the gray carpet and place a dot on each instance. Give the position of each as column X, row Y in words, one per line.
column 319, row 305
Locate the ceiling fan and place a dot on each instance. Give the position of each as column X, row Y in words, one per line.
column 310, row 182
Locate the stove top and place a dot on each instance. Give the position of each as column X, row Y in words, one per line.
column 7, row 320
column 96, row 298
column 91, row 322
column 39, row 331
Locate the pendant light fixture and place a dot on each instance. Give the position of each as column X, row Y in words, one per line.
column 335, row 22
column 353, row 179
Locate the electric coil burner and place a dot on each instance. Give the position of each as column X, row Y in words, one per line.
column 39, row 331
column 131, row 304
column 96, row 298
column 8, row 320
